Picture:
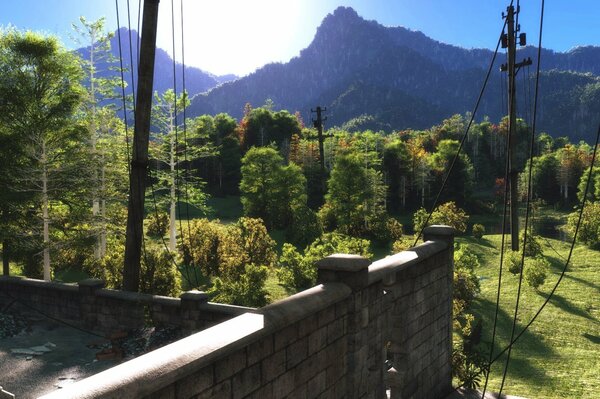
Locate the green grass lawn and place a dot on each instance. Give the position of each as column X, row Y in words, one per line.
column 559, row 356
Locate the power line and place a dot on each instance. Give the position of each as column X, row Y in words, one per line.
column 463, row 139
column 123, row 89
column 583, row 201
column 185, row 141
column 528, row 204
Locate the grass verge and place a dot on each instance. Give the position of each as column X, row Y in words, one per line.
column 558, row 356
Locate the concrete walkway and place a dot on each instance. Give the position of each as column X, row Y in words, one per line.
column 66, row 359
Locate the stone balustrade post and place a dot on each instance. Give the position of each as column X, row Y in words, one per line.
column 364, row 332
column 191, row 312
column 88, row 305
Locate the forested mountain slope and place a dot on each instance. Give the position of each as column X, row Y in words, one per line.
column 400, row 79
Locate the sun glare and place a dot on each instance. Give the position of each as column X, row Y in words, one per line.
column 232, row 36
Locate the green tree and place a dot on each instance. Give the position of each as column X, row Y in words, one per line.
column 95, row 60
column 355, row 197
column 544, row 178
column 396, row 163
column 594, row 189
column 461, row 176
column 175, row 184
column 39, row 94
column 271, row 190
column 262, row 126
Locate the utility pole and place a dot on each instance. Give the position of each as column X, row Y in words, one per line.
column 318, row 123
column 139, row 162
column 509, row 41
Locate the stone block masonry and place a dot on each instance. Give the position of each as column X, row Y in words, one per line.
column 335, row 340
column 92, row 307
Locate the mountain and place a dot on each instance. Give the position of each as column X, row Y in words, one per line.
column 396, row 78
column 196, row 80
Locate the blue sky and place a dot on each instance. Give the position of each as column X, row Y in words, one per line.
column 238, row 36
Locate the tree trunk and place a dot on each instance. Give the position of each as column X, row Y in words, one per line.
column 5, row 258
column 45, row 216
column 102, row 238
column 139, row 161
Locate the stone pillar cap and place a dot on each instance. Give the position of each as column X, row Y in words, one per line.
column 194, row 295
column 439, row 230
column 343, row 263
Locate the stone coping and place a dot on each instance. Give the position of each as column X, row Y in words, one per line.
column 164, row 366
column 386, row 267
column 32, row 282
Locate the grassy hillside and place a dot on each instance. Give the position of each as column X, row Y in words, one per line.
column 559, row 356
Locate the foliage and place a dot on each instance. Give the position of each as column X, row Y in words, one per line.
column 532, row 245
column 467, row 361
column 478, row 230
column 354, row 202
column 109, row 268
column 247, row 290
column 535, row 271
column 402, row 244
column 40, row 92
column 297, row 272
column 262, row 126
column 514, row 259
column 466, row 283
column 271, row 190
column 589, row 230
column 305, row 227
column 201, row 247
column 157, row 224
column 447, row 214
column 159, row 274
column 461, row 175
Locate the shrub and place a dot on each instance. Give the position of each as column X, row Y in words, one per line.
column 466, row 283
column 109, row 268
column 157, row 224
column 402, row 244
column 159, row 274
column 295, row 271
column 298, row 272
column 448, row 214
column 247, row 290
column 513, row 259
column 200, row 247
column 532, row 246
column 589, row 230
column 535, row 272
column 478, row 231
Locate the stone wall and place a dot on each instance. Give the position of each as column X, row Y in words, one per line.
column 330, row 341
column 90, row 306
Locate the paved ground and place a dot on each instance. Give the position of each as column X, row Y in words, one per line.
column 69, row 359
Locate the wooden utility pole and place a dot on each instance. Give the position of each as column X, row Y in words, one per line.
column 509, row 41
column 139, row 162
column 318, row 123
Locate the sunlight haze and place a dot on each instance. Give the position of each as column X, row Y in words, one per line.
column 235, row 36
